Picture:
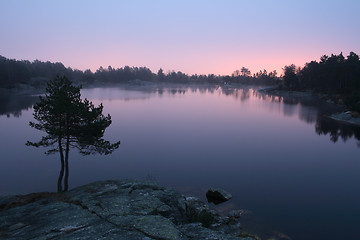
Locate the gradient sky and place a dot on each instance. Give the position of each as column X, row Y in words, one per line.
column 193, row 36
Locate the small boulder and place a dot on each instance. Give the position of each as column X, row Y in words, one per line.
column 237, row 213
column 217, row 195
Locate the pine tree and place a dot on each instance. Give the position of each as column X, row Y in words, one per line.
column 70, row 122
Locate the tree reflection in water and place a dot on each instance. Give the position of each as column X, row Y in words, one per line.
column 336, row 130
column 315, row 111
column 310, row 110
column 13, row 104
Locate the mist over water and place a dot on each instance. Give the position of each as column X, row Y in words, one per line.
column 296, row 171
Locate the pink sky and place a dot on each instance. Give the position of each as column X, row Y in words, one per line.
column 200, row 37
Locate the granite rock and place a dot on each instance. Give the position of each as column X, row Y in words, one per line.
column 114, row 209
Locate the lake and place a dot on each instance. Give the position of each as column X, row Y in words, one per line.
column 296, row 171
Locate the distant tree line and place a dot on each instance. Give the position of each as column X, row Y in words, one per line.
column 37, row 73
column 334, row 75
column 260, row 78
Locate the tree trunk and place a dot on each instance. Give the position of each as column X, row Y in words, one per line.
column 61, row 175
column 66, row 180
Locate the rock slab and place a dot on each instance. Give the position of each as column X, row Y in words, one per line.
column 114, row 209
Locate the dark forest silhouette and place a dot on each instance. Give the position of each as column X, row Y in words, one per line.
column 70, row 122
column 334, row 75
column 37, row 73
column 330, row 73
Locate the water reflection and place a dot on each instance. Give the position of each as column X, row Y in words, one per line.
column 314, row 111
column 307, row 109
column 238, row 93
column 13, row 104
column 336, row 130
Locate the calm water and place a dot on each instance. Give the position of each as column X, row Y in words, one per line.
column 279, row 158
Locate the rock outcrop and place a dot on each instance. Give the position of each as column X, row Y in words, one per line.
column 218, row 195
column 121, row 209
column 348, row 117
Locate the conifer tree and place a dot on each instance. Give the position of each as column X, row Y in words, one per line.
column 70, row 122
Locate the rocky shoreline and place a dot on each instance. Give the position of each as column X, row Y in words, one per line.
column 347, row 117
column 115, row 209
